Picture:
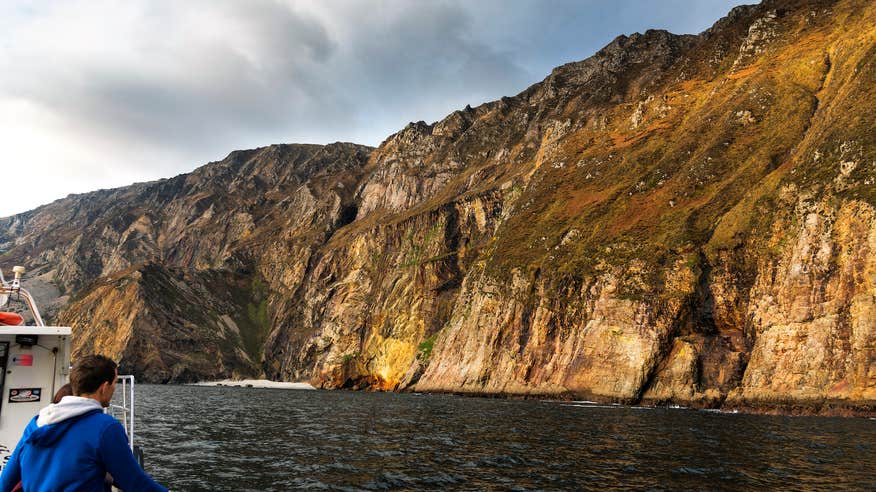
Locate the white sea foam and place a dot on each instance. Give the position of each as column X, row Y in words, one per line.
column 721, row 411
column 256, row 383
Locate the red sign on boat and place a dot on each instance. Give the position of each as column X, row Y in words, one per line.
column 22, row 360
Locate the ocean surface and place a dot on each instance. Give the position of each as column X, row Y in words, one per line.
column 219, row 438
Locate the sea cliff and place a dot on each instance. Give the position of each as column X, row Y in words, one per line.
column 676, row 219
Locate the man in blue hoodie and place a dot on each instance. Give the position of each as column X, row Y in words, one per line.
column 71, row 445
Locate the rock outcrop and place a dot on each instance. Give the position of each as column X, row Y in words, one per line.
column 164, row 275
column 677, row 219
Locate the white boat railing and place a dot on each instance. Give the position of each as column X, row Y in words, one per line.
column 124, row 410
column 8, row 289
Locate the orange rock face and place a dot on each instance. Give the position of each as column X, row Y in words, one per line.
column 677, row 219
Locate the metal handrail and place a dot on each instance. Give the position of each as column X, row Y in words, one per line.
column 10, row 291
column 14, row 288
column 127, row 407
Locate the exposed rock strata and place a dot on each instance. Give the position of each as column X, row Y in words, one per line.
column 677, row 219
column 176, row 278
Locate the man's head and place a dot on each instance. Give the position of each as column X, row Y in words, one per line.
column 94, row 376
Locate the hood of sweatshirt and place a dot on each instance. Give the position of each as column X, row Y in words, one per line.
column 54, row 420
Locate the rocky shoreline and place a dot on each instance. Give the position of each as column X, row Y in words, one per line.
column 845, row 409
column 255, row 383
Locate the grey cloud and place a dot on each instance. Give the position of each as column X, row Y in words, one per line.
column 420, row 57
column 280, row 67
column 263, row 75
column 545, row 34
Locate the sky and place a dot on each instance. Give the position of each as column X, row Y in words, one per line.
column 104, row 93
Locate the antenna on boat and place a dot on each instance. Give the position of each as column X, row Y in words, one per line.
column 18, row 270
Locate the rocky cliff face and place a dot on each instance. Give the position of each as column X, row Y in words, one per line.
column 685, row 219
column 164, row 275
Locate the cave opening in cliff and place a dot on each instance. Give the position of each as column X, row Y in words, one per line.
column 347, row 215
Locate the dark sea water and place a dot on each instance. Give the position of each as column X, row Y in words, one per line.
column 220, row 438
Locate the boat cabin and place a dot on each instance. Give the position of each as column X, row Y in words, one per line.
column 35, row 362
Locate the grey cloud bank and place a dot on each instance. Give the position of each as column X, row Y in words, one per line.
column 100, row 94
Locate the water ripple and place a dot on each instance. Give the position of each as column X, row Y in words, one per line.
column 217, row 439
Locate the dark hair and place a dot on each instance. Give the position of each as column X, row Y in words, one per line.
column 90, row 372
column 63, row 391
